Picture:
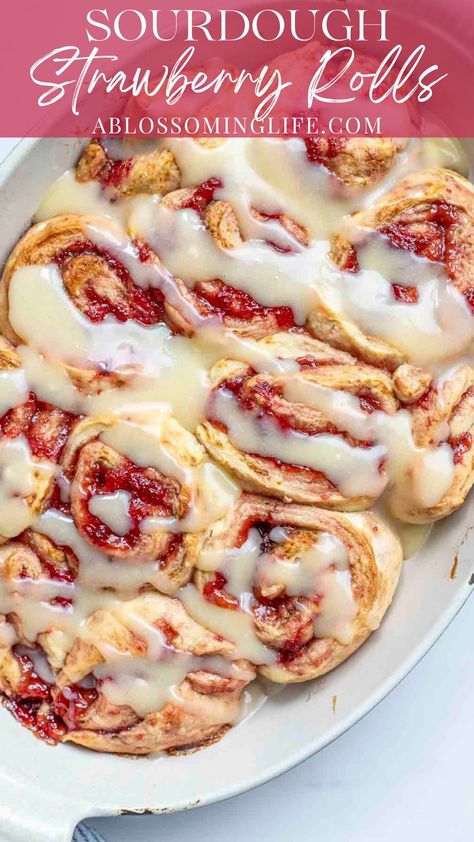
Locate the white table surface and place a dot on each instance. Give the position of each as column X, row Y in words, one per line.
column 403, row 773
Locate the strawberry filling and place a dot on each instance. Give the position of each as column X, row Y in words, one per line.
column 233, row 303
column 322, row 150
column 116, row 172
column 263, row 398
column 45, row 427
column 407, row 295
column 202, row 196
column 72, row 702
column 145, row 306
column 460, row 445
column 151, row 495
column 214, row 591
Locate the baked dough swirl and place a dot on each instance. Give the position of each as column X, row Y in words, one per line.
column 153, row 172
column 98, row 284
column 357, row 161
column 59, row 676
column 237, row 310
column 260, row 428
column 429, row 214
column 315, row 583
column 110, row 300
column 129, row 473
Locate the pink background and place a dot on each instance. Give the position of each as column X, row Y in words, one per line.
column 32, row 28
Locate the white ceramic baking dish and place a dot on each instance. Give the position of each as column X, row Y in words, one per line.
column 45, row 791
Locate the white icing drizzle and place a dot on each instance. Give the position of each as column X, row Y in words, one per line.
column 354, row 470
column 263, row 173
column 67, row 195
column 209, row 328
column 168, row 375
column 321, row 570
column 44, row 316
column 8, row 635
column 213, row 494
column 432, row 469
column 433, row 330
column 39, row 661
column 97, row 570
column 20, row 476
column 276, row 177
column 13, row 389
column 273, row 278
column 148, row 684
column 139, row 438
column 412, row 536
column 112, row 509
column 236, row 626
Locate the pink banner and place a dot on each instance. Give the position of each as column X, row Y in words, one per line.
column 397, row 68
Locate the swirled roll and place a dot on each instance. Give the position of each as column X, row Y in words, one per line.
column 152, row 172
column 246, row 244
column 406, row 289
column 443, row 417
column 297, row 588
column 126, row 675
column 81, row 294
column 289, row 434
column 357, row 161
column 211, row 297
column 94, row 279
column 141, row 490
column 329, row 430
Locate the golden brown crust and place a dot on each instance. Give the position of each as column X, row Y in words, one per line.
column 222, row 224
column 218, row 216
column 329, row 326
column 92, row 162
column 358, row 161
column 304, row 349
column 153, row 172
column 168, row 730
column 9, row 358
column 410, row 382
column 221, row 219
column 409, row 207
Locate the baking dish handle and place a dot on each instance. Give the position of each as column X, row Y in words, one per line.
column 86, row 834
column 29, row 814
